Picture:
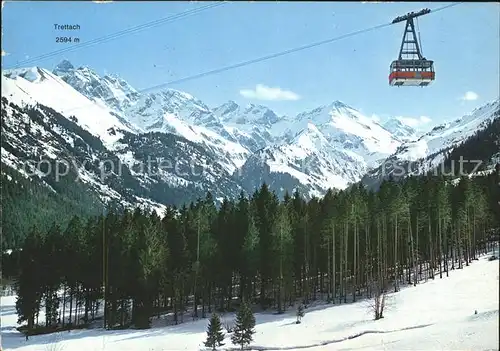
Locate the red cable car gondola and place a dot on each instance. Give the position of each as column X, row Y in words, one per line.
column 411, row 68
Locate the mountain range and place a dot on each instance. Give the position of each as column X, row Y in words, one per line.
column 168, row 147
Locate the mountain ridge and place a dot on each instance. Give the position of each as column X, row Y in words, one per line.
column 331, row 146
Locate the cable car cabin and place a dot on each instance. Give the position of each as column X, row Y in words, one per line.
column 411, row 68
column 411, row 73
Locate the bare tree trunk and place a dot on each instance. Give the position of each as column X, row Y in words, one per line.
column 440, row 245
column 354, row 275
column 341, row 266
column 334, row 286
column 396, row 254
column 431, row 249
column 346, row 239
column 330, row 279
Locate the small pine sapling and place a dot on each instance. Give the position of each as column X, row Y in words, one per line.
column 300, row 313
column 215, row 336
column 244, row 328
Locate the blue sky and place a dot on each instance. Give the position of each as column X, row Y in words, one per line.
column 462, row 40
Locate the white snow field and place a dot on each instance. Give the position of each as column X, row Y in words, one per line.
column 435, row 315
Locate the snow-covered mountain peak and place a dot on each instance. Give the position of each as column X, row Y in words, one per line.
column 150, row 109
column 251, row 115
column 484, row 110
column 329, row 146
column 110, row 90
column 37, row 85
column 450, row 134
column 227, row 108
column 400, row 129
column 326, row 113
column 177, row 99
column 341, row 105
column 182, row 95
column 117, row 81
column 310, row 138
column 30, row 74
column 261, row 114
column 338, row 108
column 347, row 129
column 63, row 67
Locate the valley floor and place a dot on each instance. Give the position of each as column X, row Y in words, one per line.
column 434, row 315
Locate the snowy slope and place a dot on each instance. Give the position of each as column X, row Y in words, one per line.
column 30, row 133
column 169, row 111
column 109, row 90
column 329, row 147
column 232, row 113
column 37, row 85
column 434, row 315
column 347, row 128
column 42, row 134
column 446, row 135
column 312, row 160
column 180, row 113
column 401, row 130
column 253, row 126
column 237, row 135
column 428, row 152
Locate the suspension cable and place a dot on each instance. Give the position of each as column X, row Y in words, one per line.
column 122, row 33
column 419, row 40
column 264, row 58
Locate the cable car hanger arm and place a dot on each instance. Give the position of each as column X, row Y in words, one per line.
column 410, row 29
column 410, row 15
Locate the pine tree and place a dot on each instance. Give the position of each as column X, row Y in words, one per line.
column 29, row 285
column 244, row 329
column 300, row 313
column 215, row 336
column 250, row 257
column 349, row 241
column 281, row 249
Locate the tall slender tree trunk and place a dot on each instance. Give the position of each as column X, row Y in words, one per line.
column 330, row 279
column 396, row 254
column 334, row 286
column 64, row 306
column 440, row 247
column 346, row 261
column 354, row 273
column 431, row 249
column 341, row 264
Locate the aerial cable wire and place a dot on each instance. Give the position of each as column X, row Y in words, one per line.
column 122, row 33
column 265, row 58
column 419, row 40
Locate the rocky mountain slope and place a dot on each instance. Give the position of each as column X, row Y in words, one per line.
column 115, row 160
column 430, row 151
column 169, row 146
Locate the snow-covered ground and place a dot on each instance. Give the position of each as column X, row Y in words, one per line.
column 434, row 315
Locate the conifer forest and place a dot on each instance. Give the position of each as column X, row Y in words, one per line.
column 262, row 250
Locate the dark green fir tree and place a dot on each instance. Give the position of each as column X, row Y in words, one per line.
column 244, row 329
column 215, row 336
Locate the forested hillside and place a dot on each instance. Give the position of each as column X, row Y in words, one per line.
column 260, row 249
column 484, row 147
column 26, row 202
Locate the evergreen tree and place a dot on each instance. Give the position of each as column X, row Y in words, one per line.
column 348, row 243
column 265, row 204
column 281, row 253
column 29, row 285
column 244, row 328
column 300, row 313
column 215, row 335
